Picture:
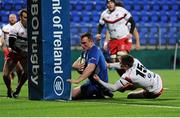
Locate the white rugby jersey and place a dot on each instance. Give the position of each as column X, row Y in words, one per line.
column 19, row 32
column 2, row 44
column 1, row 33
column 116, row 22
column 6, row 29
column 1, row 36
column 142, row 77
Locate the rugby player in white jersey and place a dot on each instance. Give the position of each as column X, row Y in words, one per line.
column 6, row 29
column 120, row 26
column 18, row 53
column 136, row 76
column 1, row 39
column 132, row 30
column 116, row 19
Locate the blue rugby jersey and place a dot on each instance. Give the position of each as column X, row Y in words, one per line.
column 95, row 56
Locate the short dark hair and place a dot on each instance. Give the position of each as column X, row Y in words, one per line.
column 127, row 60
column 87, row 34
column 107, row 1
column 119, row 4
column 22, row 11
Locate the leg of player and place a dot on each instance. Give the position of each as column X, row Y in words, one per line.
column 19, row 71
column 7, row 70
column 76, row 93
column 152, row 95
column 23, row 79
column 12, row 75
column 108, row 93
column 137, row 95
column 87, row 91
column 143, row 94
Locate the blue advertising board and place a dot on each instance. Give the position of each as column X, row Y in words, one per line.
column 49, row 56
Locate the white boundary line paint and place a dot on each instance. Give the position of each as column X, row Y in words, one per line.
column 115, row 103
column 137, row 105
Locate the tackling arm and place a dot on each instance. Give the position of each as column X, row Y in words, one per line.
column 114, row 65
column 120, row 85
column 111, row 87
column 12, row 45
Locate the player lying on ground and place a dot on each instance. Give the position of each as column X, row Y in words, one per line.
column 94, row 63
column 136, row 76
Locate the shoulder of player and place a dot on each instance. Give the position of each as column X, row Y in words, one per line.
column 16, row 27
column 94, row 47
column 6, row 28
column 18, row 24
column 93, row 50
column 104, row 12
column 121, row 9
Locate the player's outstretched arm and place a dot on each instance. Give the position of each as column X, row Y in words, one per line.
column 115, row 65
column 111, row 87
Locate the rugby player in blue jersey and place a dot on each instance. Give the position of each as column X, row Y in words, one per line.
column 91, row 62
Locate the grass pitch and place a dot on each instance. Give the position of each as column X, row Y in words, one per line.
column 167, row 105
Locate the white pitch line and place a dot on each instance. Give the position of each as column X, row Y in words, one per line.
column 157, row 106
column 137, row 105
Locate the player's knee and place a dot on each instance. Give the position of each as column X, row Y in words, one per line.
column 19, row 70
column 5, row 76
column 113, row 57
column 121, row 53
column 24, row 76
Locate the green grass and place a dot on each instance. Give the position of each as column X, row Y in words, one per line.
column 168, row 104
